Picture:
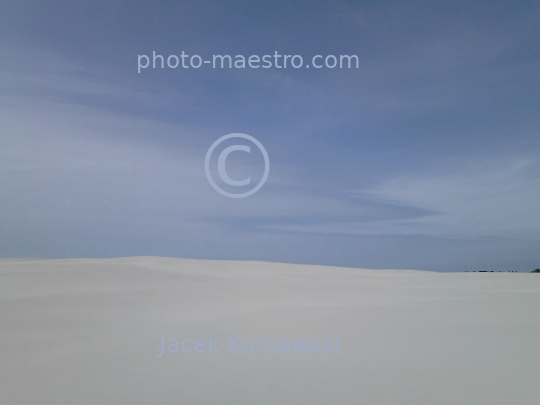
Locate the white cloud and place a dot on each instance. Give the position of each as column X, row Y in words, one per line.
column 470, row 200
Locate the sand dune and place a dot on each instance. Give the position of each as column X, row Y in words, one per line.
column 90, row 331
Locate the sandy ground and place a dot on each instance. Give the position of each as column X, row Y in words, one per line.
column 90, row 331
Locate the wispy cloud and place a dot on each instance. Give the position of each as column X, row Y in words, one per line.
column 496, row 198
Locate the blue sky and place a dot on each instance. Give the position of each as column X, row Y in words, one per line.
column 425, row 157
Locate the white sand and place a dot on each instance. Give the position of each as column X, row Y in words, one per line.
column 88, row 331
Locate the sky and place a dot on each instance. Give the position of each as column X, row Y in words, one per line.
column 425, row 157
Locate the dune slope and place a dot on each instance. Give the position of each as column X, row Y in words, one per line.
column 150, row 330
